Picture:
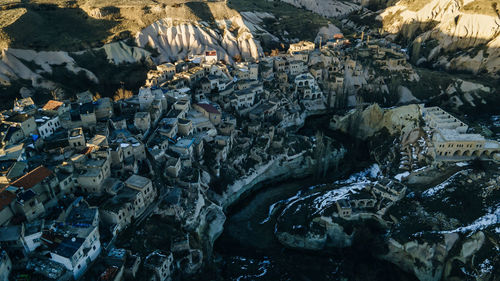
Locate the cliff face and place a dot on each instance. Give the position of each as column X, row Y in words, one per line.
column 325, row 7
column 275, row 170
column 33, row 65
column 456, row 35
column 433, row 261
column 423, row 235
column 425, row 260
column 365, row 123
column 176, row 39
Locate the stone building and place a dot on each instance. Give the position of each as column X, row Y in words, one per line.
column 451, row 140
column 76, row 138
column 301, row 46
column 145, row 187
column 25, row 122
column 142, row 121
column 161, row 263
column 209, row 111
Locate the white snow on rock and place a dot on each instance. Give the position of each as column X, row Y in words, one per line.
column 329, row 198
column 253, row 20
column 364, row 176
column 400, row 176
column 434, row 190
column 490, row 219
column 12, row 66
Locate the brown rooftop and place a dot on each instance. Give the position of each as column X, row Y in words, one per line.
column 32, row 178
column 208, row 108
column 52, row 105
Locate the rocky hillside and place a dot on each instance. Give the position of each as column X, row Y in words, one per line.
column 97, row 44
column 445, row 230
column 327, row 8
column 455, row 35
column 180, row 30
column 194, row 28
column 366, row 123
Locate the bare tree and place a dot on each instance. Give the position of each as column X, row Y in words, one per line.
column 97, row 96
column 121, row 94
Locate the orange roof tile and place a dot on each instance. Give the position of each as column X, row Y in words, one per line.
column 32, row 178
column 52, row 105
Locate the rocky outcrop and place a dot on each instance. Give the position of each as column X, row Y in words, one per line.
column 279, row 168
column 365, row 123
column 176, row 39
column 457, row 35
column 320, row 234
column 432, row 261
column 211, row 225
column 326, row 8
column 426, row 260
column 31, row 65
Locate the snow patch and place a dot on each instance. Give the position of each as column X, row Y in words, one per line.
column 481, row 223
column 432, row 191
column 401, row 175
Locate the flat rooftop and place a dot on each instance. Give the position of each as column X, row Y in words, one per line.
column 138, row 182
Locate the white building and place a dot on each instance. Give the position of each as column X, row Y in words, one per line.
column 76, row 253
column 145, row 187
column 47, row 125
column 297, row 67
column 306, row 87
column 32, row 235
column 81, row 244
column 211, row 56
column 301, row 46
column 245, row 98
